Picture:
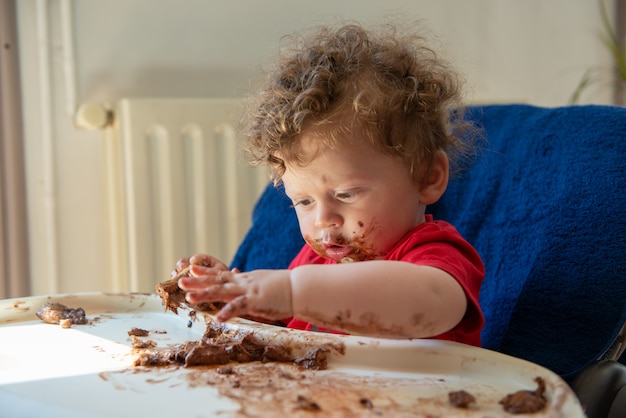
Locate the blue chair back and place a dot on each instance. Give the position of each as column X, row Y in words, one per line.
column 545, row 205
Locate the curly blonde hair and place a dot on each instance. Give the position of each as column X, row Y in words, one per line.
column 399, row 92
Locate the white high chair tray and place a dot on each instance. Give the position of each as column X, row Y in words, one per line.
column 88, row 370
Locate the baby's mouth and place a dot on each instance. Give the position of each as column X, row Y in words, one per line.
column 337, row 252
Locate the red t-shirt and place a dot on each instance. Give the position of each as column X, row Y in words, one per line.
column 436, row 244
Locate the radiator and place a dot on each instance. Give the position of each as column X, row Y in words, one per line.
column 176, row 186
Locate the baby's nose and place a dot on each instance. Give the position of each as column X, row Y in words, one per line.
column 326, row 217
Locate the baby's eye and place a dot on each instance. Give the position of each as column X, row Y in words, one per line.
column 302, row 202
column 345, row 196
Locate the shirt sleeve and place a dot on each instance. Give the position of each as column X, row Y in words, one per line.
column 439, row 245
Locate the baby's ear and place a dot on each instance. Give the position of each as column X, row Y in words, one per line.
column 436, row 181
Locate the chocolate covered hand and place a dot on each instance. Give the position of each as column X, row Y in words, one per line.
column 262, row 293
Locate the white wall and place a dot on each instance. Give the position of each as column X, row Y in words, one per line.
column 86, row 50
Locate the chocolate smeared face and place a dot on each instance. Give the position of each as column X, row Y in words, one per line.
column 353, row 202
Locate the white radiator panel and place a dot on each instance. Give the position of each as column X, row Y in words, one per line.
column 177, row 186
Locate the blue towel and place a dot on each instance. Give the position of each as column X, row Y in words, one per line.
column 544, row 204
column 274, row 238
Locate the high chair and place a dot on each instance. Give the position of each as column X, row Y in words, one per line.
column 544, row 204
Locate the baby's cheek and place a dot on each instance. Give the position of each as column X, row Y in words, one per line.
column 386, row 241
column 307, row 227
column 365, row 239
column 316, row 245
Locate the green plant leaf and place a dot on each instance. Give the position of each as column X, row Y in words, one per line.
column 610, row 40
column 582, row 84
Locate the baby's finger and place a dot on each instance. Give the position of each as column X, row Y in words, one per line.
column 236, row 307
column 209, row 275
column 199, row 271
column 181, row 265
column 215, row 293
column 197, row 297
column 192, row 283
column 207, row 261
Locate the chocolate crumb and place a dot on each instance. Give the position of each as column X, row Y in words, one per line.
column 315, row 359
column 461, row 399
column 142, row 344
column 225, row 370
column 366, row 403
column 526, row 401
column 303, row 403
column 65, row 323
column 138, row 332
column 57, row 313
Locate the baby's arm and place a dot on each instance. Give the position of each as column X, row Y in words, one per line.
column 391, row 299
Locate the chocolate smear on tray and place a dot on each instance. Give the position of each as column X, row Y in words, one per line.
column 220, row 345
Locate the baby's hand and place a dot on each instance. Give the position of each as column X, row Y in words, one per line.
column 262, row 293
column 183, row 265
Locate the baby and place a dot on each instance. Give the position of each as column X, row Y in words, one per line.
column 360, row 128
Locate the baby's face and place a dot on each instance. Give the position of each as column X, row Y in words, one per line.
column 353, row 203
